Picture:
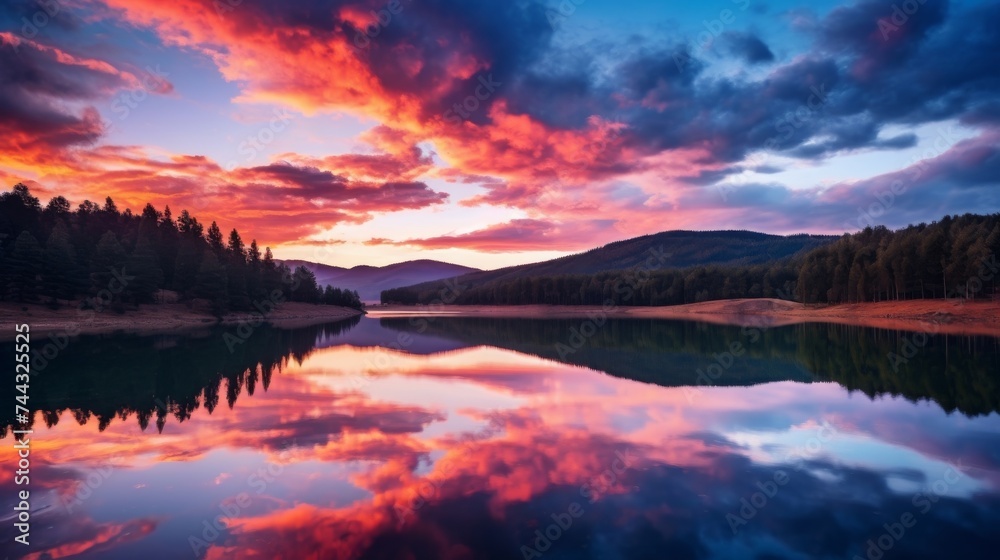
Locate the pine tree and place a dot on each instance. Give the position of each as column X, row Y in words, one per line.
column 107, row 273
column 60, row 276
column 306, row 289
column 167, row 245
column 253, row 255
column 237, row 250
column 110, row 207
column 26, row 266
column 211, row 283
column 168, row 219
column 214, row 238
column 19, row 211
column 239, row 297
column 150, row 214
column 189, row 225
column 255, row 286
column 57, row 210
column 187, row 264
column 272, row 275
column 145, row 267
column 993, row 248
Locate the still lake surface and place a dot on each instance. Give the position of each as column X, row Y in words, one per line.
column 467, row 438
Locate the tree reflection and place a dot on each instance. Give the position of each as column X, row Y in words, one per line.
column 956, row 372
column 154, row 377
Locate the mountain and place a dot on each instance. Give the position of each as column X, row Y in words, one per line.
column 369, row 281
column 665, row 250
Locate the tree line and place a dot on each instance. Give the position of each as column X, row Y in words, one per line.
column 114, row 259
column 954, row 257
column 957, row 372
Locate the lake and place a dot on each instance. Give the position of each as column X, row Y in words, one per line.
column 497, row 438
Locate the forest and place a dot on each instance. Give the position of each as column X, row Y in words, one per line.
column 953, row 257
column 99, row 257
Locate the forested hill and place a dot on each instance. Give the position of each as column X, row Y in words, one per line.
column 669, row 249
column 665, row 250
column 98, row 257
column 954, row 257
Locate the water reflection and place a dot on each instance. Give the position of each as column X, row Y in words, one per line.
column 483, row 438
column 958, row 373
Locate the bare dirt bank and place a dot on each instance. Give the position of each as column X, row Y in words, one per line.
column 159, row 318
column 943, row 316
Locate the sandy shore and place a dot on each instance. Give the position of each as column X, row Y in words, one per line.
column 151, row 319
column 943, row 316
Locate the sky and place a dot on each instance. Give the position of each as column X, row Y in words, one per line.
column 497, row 132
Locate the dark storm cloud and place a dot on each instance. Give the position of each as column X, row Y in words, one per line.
column 564, row 100
column 865, row 65
column 858, row 77
column 511, row 36
column 30, row 17
column 282, row 180
column 35, row 84
column 747, row 46
column 48, row 95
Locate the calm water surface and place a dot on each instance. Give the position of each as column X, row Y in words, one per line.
column 460, row 438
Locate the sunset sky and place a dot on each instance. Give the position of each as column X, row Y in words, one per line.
column 328, row 129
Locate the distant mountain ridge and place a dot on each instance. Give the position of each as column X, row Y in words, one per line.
column 670, row 249
column 369, row 281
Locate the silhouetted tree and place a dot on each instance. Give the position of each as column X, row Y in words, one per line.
column 212, row 283
column 25, row 264
column 306, row 289
column 60, row 275
column 214, row 238
column 108, row 277
column 145, row 267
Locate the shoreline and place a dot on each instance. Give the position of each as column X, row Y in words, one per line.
column 164, row 318
column 953, row 316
